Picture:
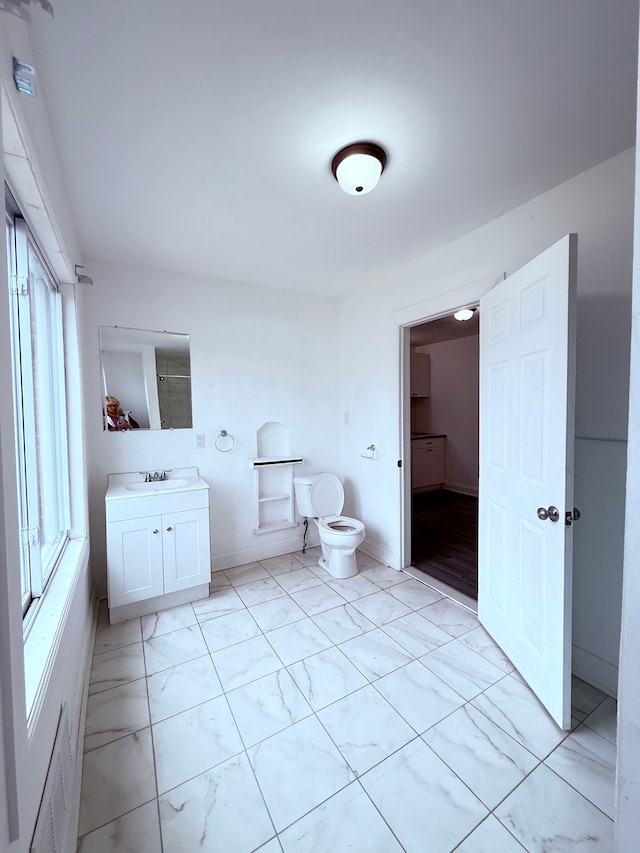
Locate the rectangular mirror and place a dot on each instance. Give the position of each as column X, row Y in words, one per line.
column 147, row 375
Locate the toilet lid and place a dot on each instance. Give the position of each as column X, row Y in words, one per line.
column 327, row 495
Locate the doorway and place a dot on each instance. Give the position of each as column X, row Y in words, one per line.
column 443, row 400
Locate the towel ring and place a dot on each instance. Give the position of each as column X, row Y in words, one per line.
column 371, row 454
column 222, row 439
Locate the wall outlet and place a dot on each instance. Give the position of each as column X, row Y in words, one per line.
column 200, row 441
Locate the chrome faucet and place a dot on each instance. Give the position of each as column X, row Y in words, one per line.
column 156, row 477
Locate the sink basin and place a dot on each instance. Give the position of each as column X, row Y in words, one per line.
column 157, row 486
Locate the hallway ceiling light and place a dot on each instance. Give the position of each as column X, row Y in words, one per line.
column 357, row 167
column 464, row 314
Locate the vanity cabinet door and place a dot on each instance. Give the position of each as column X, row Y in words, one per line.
column 420, row 378
column 427, row 463
column 185, row 539
column 134, row 560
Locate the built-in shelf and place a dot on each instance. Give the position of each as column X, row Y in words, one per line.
column 263, row 461
column 274, row 498
column 273, row 468
column 275, row 525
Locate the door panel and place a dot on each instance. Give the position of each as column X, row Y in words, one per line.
column 186, row 549
column 527, row 378
column 134, row 549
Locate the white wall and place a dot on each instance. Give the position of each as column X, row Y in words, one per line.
column 257, row 355
column 628, row 758
column 453, row 408
column 598, row 205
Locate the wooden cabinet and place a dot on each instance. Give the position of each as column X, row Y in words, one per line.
column 420, row 378
column 428, row 463
column 158, row 549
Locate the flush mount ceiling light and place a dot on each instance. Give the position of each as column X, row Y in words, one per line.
column 357, row 167
column 464, row 314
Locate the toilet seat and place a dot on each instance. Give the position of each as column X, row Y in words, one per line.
column 340, row 524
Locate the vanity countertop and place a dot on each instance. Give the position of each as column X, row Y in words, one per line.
column 415, row 435
column 132, row 485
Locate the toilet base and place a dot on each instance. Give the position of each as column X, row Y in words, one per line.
column 340, row 564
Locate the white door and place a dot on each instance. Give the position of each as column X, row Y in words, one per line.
column 527, row 378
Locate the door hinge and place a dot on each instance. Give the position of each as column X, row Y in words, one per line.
column 19, row 285
column 399, row 463
column 30, row 536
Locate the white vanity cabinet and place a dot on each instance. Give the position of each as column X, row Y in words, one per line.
column 158, row 548
column 428, row 462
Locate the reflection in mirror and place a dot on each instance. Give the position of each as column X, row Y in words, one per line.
column 149, row 373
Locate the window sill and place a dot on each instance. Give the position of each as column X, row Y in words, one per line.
column 45, row 630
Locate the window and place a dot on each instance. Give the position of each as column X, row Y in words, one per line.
column 39, row 406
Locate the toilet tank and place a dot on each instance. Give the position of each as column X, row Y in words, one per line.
column 318, row 495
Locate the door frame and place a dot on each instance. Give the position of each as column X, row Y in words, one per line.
column 414, row 315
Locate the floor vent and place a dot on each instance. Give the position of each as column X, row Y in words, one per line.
column 56, row 808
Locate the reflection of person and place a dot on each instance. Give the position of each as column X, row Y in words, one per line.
column 116, row 418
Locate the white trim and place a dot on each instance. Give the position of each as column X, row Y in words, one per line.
column 444, row 302
column 157, row 602
column 24, row 176
column 265, row 550
column 413, row 315
column 375, row 550
column 45, row 634
column 462, row 489
column 594, row 670
column 88, row 645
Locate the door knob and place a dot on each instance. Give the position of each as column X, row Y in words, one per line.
column 168, row 529
column 552, row 513
column 155, row 531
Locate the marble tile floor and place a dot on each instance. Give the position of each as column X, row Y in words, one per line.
column 293, row 712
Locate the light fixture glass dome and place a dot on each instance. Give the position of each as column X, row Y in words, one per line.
column 359, row 173
column 464, row 314
column 357, row 168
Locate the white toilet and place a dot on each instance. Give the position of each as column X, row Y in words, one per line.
column 321, row 497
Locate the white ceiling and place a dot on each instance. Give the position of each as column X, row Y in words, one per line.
column 197, row 136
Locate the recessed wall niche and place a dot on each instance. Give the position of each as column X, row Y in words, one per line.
column 274, row 468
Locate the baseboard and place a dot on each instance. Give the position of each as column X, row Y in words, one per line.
column 158, row 602
column 462, row 489
column 373, row 549
column 81, row 699
column 262, row 550
column 595, row 671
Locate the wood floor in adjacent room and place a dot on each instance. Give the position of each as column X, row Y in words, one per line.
column 444, row 538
